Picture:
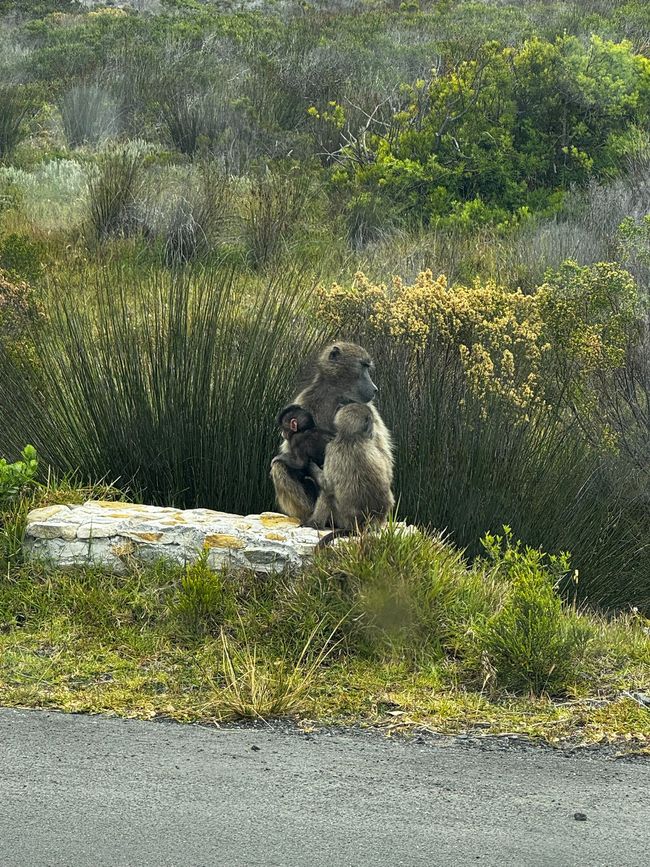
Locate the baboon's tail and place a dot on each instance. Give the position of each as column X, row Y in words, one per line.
column 329, row 538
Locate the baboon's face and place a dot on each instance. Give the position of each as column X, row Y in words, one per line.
column 350, row 367
column 354, row 420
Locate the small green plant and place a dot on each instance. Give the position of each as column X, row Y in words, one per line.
column 14, row 478
column 203, row 602
column 533, row 642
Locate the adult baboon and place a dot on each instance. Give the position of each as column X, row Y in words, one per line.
column 356, row 478
column 342, row 375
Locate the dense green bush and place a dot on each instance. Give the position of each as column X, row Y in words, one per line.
column 499, row 135
column 401, row 594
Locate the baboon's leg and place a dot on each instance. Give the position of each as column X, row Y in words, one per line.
column 292, row 497
column 322, row 516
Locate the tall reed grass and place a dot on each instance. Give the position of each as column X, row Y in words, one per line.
column 468, row 471
column 168, row 382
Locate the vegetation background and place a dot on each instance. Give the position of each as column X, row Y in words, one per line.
column 194, row 195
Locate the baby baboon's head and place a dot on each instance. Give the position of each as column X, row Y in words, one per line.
column 354, row 420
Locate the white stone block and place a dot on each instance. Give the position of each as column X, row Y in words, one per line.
column 111, row 534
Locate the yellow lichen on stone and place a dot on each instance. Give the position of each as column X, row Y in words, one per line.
column 148, row 537
column 276, row 537
column 120, row 513
column 123, row 549
column 272, row 519
column 109, row 504
column 223, row 540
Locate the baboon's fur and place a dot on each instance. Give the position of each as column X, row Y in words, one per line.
column 342, row 376
column 357, row 475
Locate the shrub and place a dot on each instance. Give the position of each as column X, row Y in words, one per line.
column 532, row 643
column 276, row 203
column 89, row 115
column 19, row 309
column 256, row 687
column 197, row 218
column 14, row 478
column 52, row 195
column 17, row 105
column 192, row 121
column 397, row 594
column 112, row 191
column 21, row 257
column 498, row 134
column 203, row 602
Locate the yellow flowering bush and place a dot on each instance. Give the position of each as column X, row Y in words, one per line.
column 493, row 333
column 523, row 350
column 588, row 314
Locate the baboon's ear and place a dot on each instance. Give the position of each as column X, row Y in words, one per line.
column 287, row 409
column 335, row 352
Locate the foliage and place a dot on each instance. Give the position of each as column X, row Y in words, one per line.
column 17, row 105
column 21, row 257
column 401, row 594
column 87, row 640
column 198, row 217
column 259, row 688
column 498, row 418
column 89, row 115
column 276, row 203
column 16, row 477
column 493, row 335
column 192, row 121
column 20, row 309
column 498, row 135
column 203, row 602
column 167, row 382
column 532, row 642
column 112, row 191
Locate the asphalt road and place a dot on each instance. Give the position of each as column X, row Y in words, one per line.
column 89, row 790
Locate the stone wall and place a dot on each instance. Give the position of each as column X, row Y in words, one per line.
column 111, row 534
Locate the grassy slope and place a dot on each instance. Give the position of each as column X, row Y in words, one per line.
column 398, row 645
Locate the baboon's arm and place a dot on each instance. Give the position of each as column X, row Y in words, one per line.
column 323, row 515
column 317, row 474
column 290, row 460
column 293, row 499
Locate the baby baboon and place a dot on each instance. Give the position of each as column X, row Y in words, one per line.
column 342, row 375
column 306, row 443
column 357, row 475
